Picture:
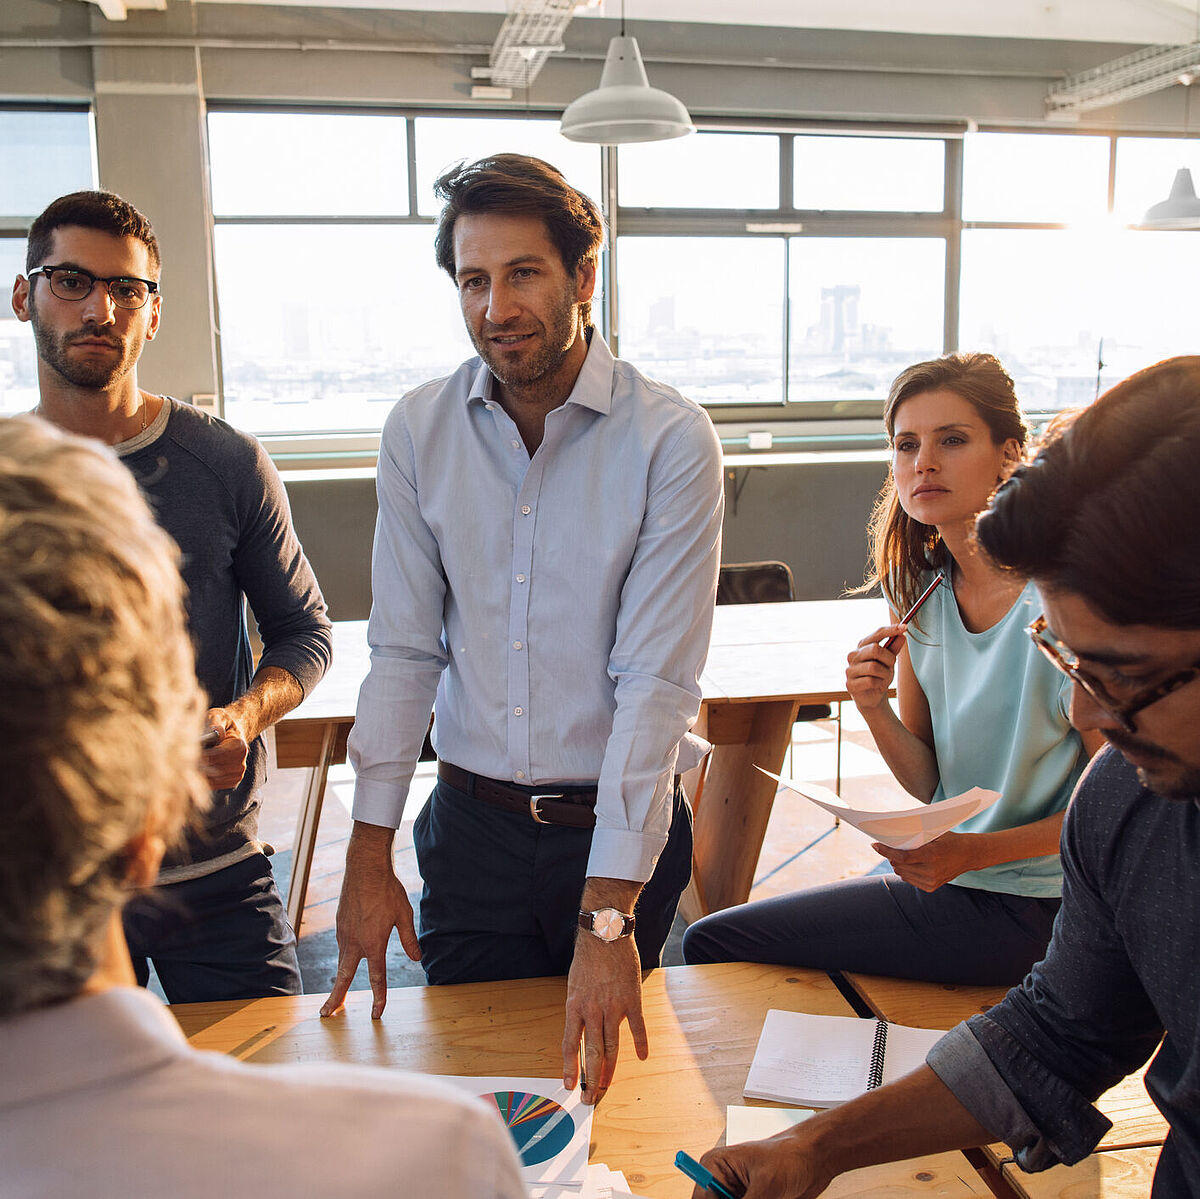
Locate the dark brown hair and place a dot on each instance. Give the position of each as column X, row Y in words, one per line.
column 904, row 550
column 105, row 211
column 517, row 185
column 1110, row 509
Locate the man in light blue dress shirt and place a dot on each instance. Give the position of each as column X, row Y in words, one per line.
column 545, row 565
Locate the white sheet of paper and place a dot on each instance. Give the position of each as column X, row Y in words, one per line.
column 754, row 1123
column 600, row 1183
column 565, row 1168
column 901, row 828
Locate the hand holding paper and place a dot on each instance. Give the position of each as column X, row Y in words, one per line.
column 939, row 862
column 904, row 828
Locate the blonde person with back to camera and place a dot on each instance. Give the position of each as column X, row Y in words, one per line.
column 100, row 723
column 978, row 707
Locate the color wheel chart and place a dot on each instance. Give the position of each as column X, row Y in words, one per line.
column 540, row 1127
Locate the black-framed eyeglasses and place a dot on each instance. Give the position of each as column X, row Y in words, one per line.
column 70, row 283
column 1122, row 713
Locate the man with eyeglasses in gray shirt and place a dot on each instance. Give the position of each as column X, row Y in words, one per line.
column 215, row 926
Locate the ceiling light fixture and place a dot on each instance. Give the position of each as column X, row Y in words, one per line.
column 625, row 108
column 1181, row 209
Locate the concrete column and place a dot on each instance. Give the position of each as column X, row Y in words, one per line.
column 152, row 149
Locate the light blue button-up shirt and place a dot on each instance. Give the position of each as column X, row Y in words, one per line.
column 559, row 606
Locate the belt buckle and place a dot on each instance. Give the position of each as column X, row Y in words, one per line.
column 534, row 800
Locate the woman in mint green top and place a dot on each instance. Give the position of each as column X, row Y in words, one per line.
column 998, row 711
column 978, row 707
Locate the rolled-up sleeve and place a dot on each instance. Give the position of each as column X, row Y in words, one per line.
column 1032, row 1068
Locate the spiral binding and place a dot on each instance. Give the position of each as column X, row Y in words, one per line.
column 878, row 1053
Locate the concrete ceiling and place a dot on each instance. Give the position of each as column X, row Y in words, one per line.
column 1145, row 22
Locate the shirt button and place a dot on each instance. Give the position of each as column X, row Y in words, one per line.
column 520, row 774
column 517, row 645
column 525, row 509
column 516, row 445
column 520, row 578
column 518, row 711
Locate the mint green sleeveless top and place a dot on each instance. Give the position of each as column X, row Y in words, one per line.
column 999, row 713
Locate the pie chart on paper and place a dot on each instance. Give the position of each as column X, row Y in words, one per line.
column 540, row 1128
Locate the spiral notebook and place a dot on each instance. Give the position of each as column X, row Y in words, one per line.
column 821, row 1061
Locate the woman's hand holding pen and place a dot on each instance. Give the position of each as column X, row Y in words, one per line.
column 871, row 667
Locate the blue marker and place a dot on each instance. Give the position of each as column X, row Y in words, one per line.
column 700, row 1176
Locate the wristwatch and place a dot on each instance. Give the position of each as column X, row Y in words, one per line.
column 606, row 923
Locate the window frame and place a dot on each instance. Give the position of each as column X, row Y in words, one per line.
column 14, row 227
column 807, row 423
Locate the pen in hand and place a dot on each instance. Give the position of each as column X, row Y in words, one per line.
column 937, row 578
column 700, row 1176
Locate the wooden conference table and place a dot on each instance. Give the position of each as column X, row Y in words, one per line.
column 703, row 1023
column 1122, row 1164
column 765, row 662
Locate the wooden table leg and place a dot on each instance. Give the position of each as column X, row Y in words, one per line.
column 306, row 827
column 732, row 819
column 691, row 902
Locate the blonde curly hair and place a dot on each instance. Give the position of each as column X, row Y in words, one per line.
column 100, row 712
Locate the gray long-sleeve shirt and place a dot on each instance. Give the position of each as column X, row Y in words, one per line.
column 216, row 492
column 1123, row 967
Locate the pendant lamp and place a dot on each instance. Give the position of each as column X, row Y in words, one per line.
column 1180, row 210
column 625, row 108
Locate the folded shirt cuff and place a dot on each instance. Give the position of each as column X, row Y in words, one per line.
column 378, row 802
column 964, row 1065
column 619, row 853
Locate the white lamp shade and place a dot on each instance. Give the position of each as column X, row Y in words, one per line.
column 1180, row 210
column 625, row 108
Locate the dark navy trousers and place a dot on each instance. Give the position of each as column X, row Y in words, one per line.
column 882, row 925
column 501, row 892
column 223, row 936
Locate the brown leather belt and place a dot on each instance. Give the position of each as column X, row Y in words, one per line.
column 572, row 806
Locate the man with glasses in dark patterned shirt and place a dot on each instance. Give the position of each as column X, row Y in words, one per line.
column 1106, row 520
column 215, row 928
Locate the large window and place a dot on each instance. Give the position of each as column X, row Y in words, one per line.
column 705, row 314
column 766, row 272
column 1057, row 284
column 862, row 308
column 44, row 153
column 704, row 171
column 812, row 268
column 331, row 304
column 869, row 174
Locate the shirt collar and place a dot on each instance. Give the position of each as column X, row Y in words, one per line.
column 593, row 386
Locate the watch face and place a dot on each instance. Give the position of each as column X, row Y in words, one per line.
column 608, row 924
